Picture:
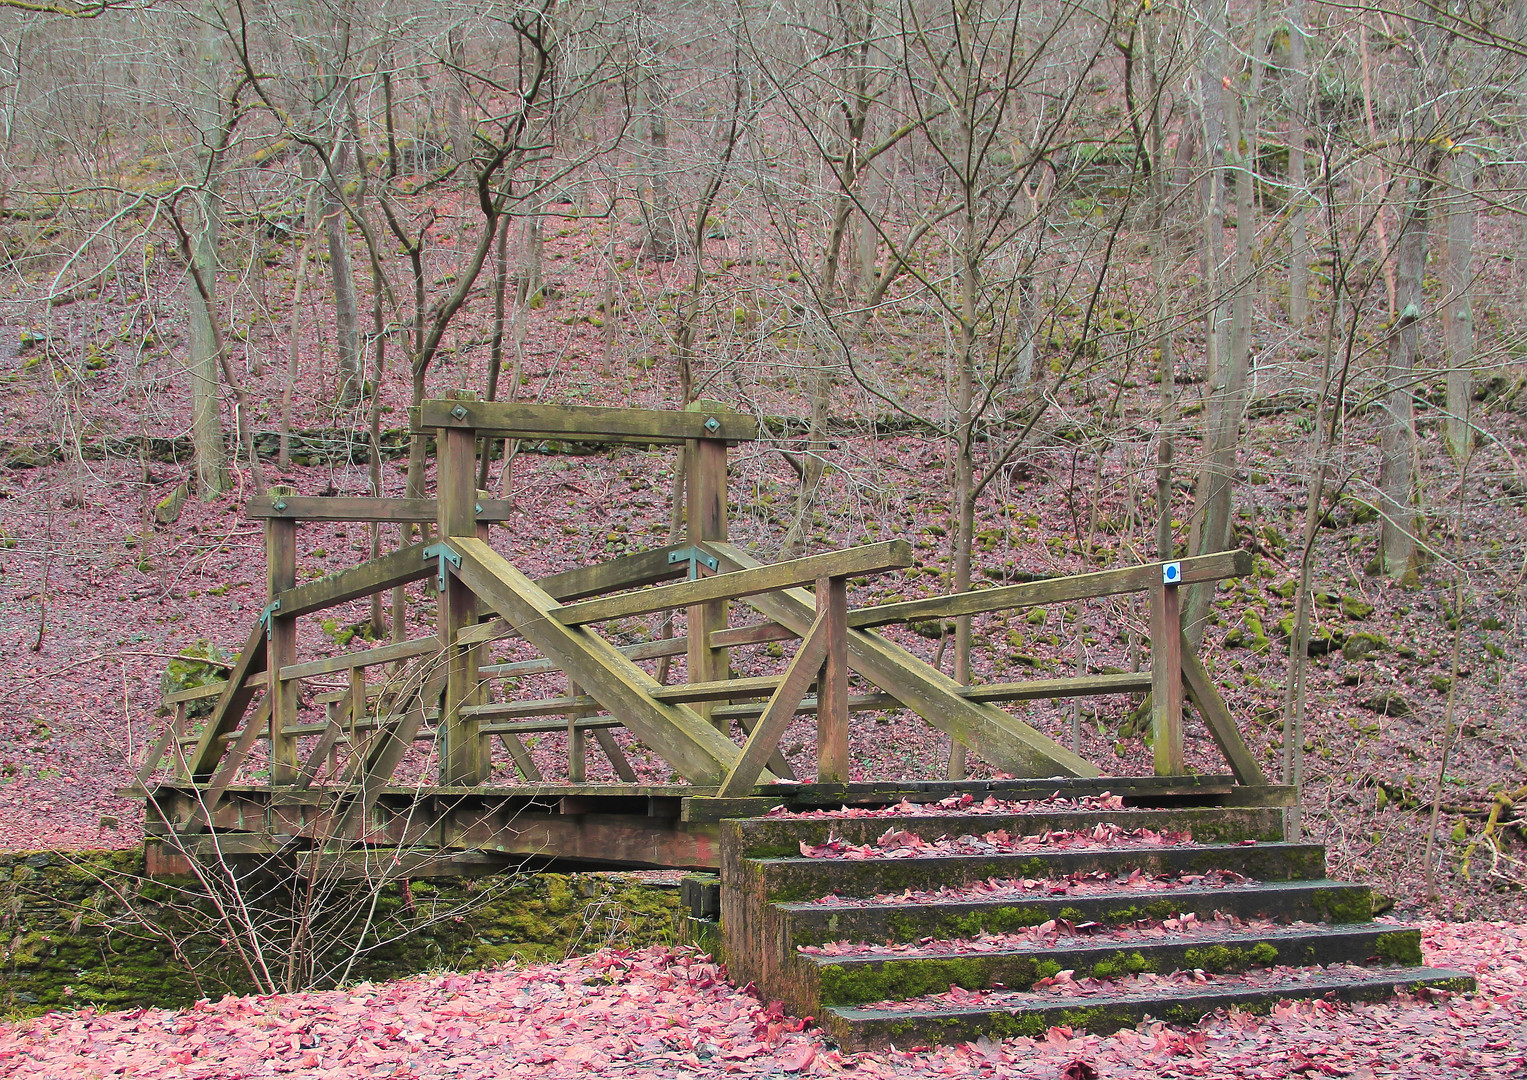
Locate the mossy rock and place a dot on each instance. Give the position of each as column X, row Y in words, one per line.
column 1359, row 646
column 1323, row 639
column 1389, row 703
column 1363, row 513
column 197, row 665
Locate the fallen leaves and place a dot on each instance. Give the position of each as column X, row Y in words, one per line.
column 900, row 844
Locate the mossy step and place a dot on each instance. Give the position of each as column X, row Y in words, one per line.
column 782, row 837
column 859, row 1029
column 849, row 980
column 1301, row 901
column 789, row 879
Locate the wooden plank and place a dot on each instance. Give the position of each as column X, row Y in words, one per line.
column 459, row 747
column 371, row 770
column 161, row 746
column 522, row 759
column 764, row 739
column 999, row 738
column 256, row 727
column 832, row 694
column 757, row 634
column 195, row 693
column 720, row 690
column 510, row 710
column 1127, row 682
column 618, row 760
column 492, row 630
column 1222, row 726
column 778, row 764
column 744, row 713
column 281, row 575
column 691, row 746
column 868, row 559
column 705, row 513
column 1223, row 564
column 1166, row 680
column 230, row 707
column 577, row 743
column 381, row 654
column 333, row 731
column 395, row 568
column 584, row 423
column 300, row 508
column 627, row 572
column 539, row 727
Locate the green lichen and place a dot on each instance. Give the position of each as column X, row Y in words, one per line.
column 1343, row 905
column 1121, row 964
column 1226, row 958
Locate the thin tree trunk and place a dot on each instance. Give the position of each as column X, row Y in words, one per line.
column 1397, row 534
column 211, row 453
column 1458, row 316
column 1298, row 128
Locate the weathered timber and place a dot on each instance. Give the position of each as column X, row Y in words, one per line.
column 1052, row 590
column 281, row 646
column 255, row 727
column 458, row 746
column 1125, row 682
column 1217, row 718
column 627, row 572
column 586, row 722
column 1166, row 681
column 511, row 710
column 999, row 738
column 300, row 508
column 751, row 710
column 381, row 654
column 832, row 692
column 396, row 568
column 585, row 423
column 759, row 578
column 618, row 760
column 230, row 707
column 803, row 669
column 645, row 650
column 685, row 740
column 491, row 630
column 721, row 690
column 705, row 513
column 522, row 759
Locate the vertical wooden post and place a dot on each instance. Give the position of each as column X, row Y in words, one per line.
column 577, row 741
column 832, row 684
column 1166, row 680
column 460, row 746
column 281, row 649
column 706, row 510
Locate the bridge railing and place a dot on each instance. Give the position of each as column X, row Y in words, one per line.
column 440, row 687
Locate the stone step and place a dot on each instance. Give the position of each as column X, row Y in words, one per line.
column 1298, row 901
column 1108, row 1006
column 874, row 973
column 781, row 837
column 789, row 879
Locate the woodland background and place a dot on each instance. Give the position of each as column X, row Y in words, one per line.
column 1043, row 287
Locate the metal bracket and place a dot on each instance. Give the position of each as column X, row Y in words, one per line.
column 459, row 412
column 1171, row 573
column 696, row 559
column 269, row 610
column 712, row 425
column 445, row 554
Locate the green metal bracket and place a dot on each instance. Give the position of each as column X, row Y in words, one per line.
column 269, row 610
column 444, row 553
column 696, row 559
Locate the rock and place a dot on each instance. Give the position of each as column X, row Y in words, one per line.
column 1353, row 608
column 167, row 510
column 1362, row 513
column 39, row 861
column 1389, row 703
column 1287, row 589
column 1441, row 683
column 1358, row 646
column 1323, row 639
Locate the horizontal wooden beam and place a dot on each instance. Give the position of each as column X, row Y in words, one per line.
column 643, row 650
column 211, row 689
column 585, row 423
column 509, row 710
column 398, row 568
column 357, row 508
column 719, row 690
column 868, row 559
column 627, row 572
column 381, row 654
column 536, row 727
column 1127, row 682
column 876, row 702
column 1058, row 590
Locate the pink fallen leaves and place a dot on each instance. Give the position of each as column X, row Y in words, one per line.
column 897, row 843
column 963, row 805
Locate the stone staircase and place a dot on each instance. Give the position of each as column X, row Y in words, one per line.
column 942, row 922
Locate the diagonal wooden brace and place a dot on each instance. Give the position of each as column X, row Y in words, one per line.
column 996, row 736
column 802, row 670
column 695, row 749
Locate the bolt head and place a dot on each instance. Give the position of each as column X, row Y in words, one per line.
column 459, row 412
column 280, row 504
column 712, row 425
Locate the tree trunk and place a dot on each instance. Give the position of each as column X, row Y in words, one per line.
column 346, row 309
column 1298, row 128
column 1397, row 555
column 1458, row 316
column 211, row 453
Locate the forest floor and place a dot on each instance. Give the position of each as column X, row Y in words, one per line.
column 96, row 599
column 661, row 1013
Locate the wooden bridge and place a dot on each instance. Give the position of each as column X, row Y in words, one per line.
column 267, row 772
